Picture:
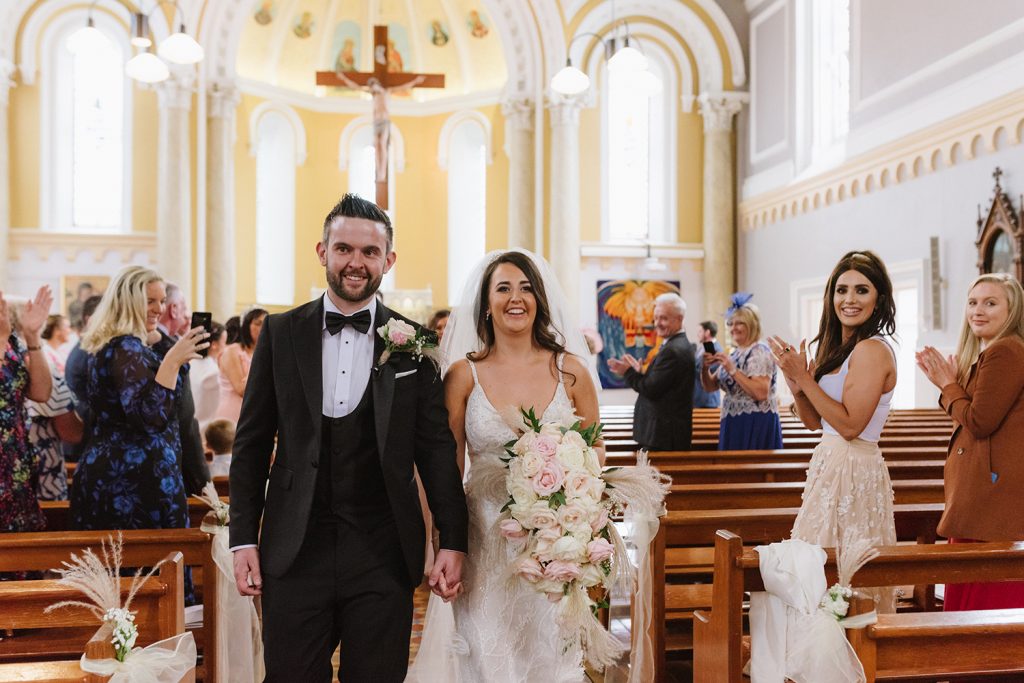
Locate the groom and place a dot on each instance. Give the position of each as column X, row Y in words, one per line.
column 341, row 547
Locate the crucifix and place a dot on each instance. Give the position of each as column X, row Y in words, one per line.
column 379, row 83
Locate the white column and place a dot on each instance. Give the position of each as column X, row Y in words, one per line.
column 564, row 238
column 718, row 110
column 6, row 69
column 174, row 189
column 220, row 200
column 519, row 139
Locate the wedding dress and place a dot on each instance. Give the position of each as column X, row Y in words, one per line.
column 500, row 630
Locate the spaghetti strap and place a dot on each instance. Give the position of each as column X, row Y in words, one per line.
column 472, row 368
column 559, row 363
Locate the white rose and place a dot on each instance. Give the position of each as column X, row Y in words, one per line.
column 574, row 439
column 579, row 484
column 541, row 516
column 522, row 513
column 570, row 454
column 525, row 443
column 531, row 462
column 521, row 491
column 543, row 541
column 552, row 429
column 591, row 575
column 573, row 518
column 569, row 548
column 591, row 462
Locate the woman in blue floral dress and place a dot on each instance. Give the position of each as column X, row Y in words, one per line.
column 24, row 375
column 128, row 477
column 747, row 377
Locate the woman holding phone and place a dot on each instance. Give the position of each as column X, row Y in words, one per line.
column 747, row 376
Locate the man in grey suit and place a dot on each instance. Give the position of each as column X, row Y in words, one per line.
column 663, row 414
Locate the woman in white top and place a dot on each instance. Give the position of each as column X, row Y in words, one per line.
column 845, row 391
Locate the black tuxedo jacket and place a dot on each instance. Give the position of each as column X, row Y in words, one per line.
column 663, row 415
column 192, row 459
column 283, row 400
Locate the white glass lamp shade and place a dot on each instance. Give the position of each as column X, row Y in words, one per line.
column 627, row 59
column 180, row 48
column 86, row 39
column 570, row 81
column 648, row 83
column 147, row 68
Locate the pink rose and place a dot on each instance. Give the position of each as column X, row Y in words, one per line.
column 599, row 550
column 600, row 522
column 512, row 530
column 530, row 569
column 400, row 332
column 546, row 446
column 562, row 571
column 549, row 479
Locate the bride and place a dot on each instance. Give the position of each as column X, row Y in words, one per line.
column 509, row 345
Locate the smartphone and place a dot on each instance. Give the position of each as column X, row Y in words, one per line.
column 709, row 348
column 203, row 319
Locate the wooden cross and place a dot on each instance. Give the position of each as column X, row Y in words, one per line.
column 379, row 83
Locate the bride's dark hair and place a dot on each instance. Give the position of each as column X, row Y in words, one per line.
column 544, row 333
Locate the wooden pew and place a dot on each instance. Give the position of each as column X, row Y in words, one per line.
column 684, row 549
column 901, row 645
column 57, row 513
column 801, row 455
column 44, row 550
column 158, row 604
column 781, row 494
column 730, row 473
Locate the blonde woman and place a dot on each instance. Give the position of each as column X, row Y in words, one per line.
column 747, row 377
column 129, row 476
column 983, row 391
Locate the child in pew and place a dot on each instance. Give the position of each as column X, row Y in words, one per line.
column 220, row 437
column 983, row 391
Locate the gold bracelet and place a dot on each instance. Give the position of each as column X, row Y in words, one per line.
column 34, row 348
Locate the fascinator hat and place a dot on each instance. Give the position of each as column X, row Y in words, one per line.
column 738, row 301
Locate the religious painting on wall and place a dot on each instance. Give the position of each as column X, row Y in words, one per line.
column 477, row 27
column 304, row 25
column 398, row 49
column 438, row 33
column 625, row 321
column 75, row 290
column 345, row 46
column 264, row 12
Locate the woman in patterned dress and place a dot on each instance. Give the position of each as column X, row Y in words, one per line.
column 24, row 375
column 846, row 392
column 129, row 475
column 750, row 411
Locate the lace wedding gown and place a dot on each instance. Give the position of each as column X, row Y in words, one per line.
column 499, row 630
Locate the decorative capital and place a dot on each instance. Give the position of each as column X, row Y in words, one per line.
column 7, row 69
column 565, row 111
column 223, row 98
column 518, row 112
column 718, row 108
column 176, row 91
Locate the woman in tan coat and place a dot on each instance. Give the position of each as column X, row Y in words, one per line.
column 983, row 391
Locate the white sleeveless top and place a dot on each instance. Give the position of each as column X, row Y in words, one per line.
column 833, row 386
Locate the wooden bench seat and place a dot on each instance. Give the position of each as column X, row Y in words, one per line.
column 766, row 472
column 781, row 494
column 799, row 455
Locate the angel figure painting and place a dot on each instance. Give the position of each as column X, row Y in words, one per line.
column 625, row 321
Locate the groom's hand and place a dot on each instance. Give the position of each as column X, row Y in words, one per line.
column 247, row 571
column 446, row 576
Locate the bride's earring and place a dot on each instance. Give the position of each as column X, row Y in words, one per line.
column 487, row 315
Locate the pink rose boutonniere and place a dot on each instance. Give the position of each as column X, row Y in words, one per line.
column 401, row 337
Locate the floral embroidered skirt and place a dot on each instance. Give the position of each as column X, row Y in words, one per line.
column 848, row 491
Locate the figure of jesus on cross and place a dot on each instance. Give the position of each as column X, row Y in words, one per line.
column 380, row 83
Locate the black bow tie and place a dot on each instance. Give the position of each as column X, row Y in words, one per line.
column 336, row 322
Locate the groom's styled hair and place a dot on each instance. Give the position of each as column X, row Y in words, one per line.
column 354, row 206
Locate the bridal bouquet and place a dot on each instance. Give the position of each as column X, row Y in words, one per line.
column 557, row 518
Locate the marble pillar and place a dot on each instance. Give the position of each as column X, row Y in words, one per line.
column 718, row 110
column 519, row 142
column 564, row 236
column 6, row 69
column 174, row 188
column 223, row 102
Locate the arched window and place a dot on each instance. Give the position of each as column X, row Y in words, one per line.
column 464, row 150
column 638, row 153
column 86, row 104
column 278, row 142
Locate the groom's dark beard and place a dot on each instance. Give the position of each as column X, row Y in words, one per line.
column 337, row 285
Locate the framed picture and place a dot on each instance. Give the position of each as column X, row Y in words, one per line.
column 75, row 289
column 625, row 321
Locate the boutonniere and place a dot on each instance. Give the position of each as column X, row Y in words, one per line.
column 401, row 337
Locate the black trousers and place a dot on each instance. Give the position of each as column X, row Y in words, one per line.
column 348, row 585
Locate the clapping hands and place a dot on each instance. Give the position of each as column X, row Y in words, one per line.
column 620, row 365
column 940, row 371
column 794, row 364
column 34, row 316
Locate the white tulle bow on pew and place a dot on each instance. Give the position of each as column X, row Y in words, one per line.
column 171, row 660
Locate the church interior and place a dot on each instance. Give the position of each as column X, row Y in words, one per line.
column 704, row 147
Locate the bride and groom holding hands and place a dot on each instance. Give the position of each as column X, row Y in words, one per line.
column 331, row 535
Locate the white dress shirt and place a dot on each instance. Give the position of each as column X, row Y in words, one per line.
column 204, row 376
column 347, row 362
